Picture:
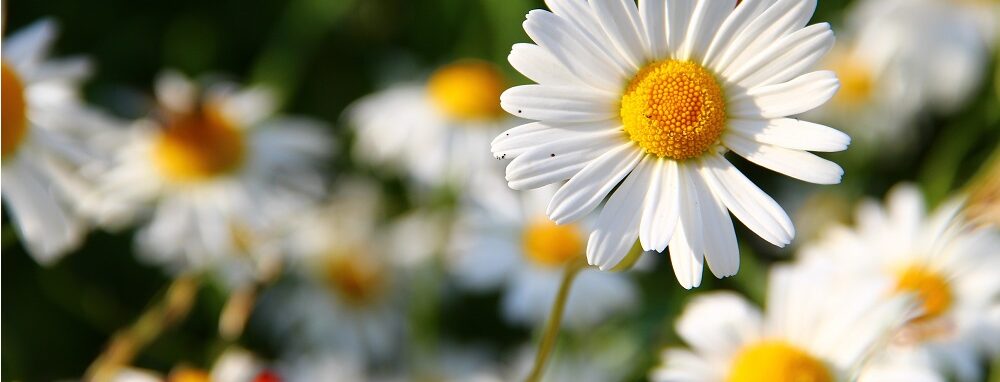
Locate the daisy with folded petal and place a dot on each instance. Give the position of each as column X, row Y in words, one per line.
column 348, row 295
column 952, row 268
column 49, row 135
column 523, row 252
column 817, row 326
column 646, row 101
column 433, row 132
column 216, row 170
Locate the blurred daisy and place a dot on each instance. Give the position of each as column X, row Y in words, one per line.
column 526, row 254
column 649, row 100
column 234, row 365
column 817, row 327
column 952, row 269
column 48, row 136
column 349, row 298
column 887, row 77
column 217, row 171
column 433, row 132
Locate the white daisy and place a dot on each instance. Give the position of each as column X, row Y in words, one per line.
column 433, row 132
column 49, row 135
column 952, row 269
column 217, row 171
column 349, row 294
column 818, row 326
column 888, row 79
column 523, row 252
column 652, row 98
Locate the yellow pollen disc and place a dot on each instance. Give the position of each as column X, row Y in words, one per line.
column 467, row 90
column 777, row 361
column 15, row 121
column 356, row 279
column 551, row 245
column 186, row 374
column 930, row 288
column 674, row 109
column 199, row 145
column 856, row 81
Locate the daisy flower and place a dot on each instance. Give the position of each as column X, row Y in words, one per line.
column 887, row 77
column 647, row 100
column 217, row 171
column 952, row 268
column 433, row 132
column 234, row 365
column 49, row 135
column 347, row 296
column 523, row 252
column 818, row 326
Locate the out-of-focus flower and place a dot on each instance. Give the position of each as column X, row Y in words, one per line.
column 520, row 250
column 350, row 298
column 649, row 100
column 49, row 135
column 217, row 171
column 901, row 59
column 952, row 268
column 434, row 132
column 983, row 206
column 335, row 367
column 234, row 365
column 818, row 326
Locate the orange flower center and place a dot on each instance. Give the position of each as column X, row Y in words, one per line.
column 467, row 90
column 777, row 361
column 551, row 245
column 15, row 121
column 200, row 145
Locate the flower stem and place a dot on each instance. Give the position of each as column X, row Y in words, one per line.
column 555, row 319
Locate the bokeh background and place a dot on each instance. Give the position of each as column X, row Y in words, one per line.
column 320, row 55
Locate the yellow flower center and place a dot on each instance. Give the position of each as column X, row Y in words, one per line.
column 199, row 145
column 186, row 374
column 467, row 90
column 929, row 287
column 357, row 279
column 15, row 121
column 674, row 109
column 551, row 245
column 856, row 81
column 777, row 361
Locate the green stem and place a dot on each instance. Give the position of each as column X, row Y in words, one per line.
column 555, row 319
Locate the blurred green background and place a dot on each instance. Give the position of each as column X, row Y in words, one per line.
column 321, row 55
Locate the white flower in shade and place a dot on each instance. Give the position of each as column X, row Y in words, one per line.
column 818, row 326
column 518, row 249
column 887, row 78
column 234, row 365
column 952, row 268
column 49, row 135
column 349, row 295
column 217, row 170
column 649, row 99
column 434, row 133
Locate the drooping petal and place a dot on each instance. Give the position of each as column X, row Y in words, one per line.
column 687, row 247
column 721, row 250
column 662, row 207
column 618, row 224
column 747, row 202
column 794, row 163
column 584, row 191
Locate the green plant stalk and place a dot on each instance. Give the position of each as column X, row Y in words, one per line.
column 573, row 268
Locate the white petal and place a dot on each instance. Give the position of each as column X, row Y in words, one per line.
column 654, row 19
column 706, row 17
column 558, row 103
column 585, row 190
column 799, row 95
column 618, row 224
column 28, row 46
column 687, row 247
column 585, row 58
column 731, row 28
column 662, row 207
column 678, row 16
column 787, row 58
column 557, row 161
column 749, row 203
column 781, row 18
column 791, row 134
column 47, row 229
column 517, row 140
column 175, row 92
column 721, row 250
column 620, row 20
column 794, row 163
column 719, row 323
column 540, row 66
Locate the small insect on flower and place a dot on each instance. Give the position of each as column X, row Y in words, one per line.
column 647, row 100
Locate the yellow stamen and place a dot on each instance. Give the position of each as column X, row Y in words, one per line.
column 856, row 80
column 777, row 361
column 15, row 121
column 551, row 245
column 674, row 109
column 932, row 290
column 467, row 90
column 357, row 279
column 200, row 145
